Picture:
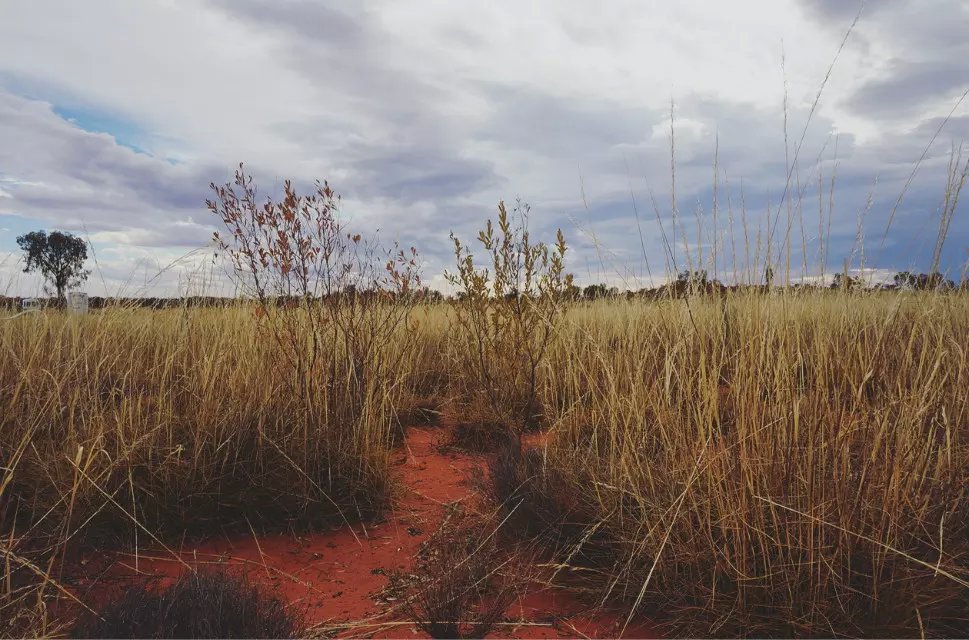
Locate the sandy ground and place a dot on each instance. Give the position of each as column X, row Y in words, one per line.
column 337, row 576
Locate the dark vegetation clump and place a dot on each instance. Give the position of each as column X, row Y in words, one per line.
column 479, row 433
column 420, row 413
column 481, row 436
column 462, row 584
column 537, row 504
column 207, row 605
column 520, row 485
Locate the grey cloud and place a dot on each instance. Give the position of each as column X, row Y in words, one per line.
column 909, row 86
column 301, row 18
column 752, row 138
column 840, row 13
column 956, row 127
column 177, row 234
column 551, row 125
column 929, row 42
column 390, row 133
column 395, row 137
column 619, row 146
column 419, row 174
column 340, row 53
column 752, row 154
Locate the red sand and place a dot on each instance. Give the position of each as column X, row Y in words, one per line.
column 337, row 575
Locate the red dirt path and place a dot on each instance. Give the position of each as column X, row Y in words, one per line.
column 336, row 576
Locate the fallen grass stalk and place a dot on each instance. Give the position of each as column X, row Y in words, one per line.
column 130, row 516
column 934, row 567
column 679, row 503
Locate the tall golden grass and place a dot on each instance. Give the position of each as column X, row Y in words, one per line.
column 783, row 463
column 768, row 462
column 132, row 427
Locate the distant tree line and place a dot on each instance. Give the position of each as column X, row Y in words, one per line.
column 100, row 302
column 59, row 257
column 687, row 283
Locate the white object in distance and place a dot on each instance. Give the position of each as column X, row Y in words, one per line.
column 77, row 302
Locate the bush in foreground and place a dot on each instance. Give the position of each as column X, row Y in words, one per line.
column 214, row 605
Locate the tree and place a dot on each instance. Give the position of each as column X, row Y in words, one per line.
column 905, row 279
column 595, row 291
column 922, row 281
column 572, row 290
column 58, row 256
column 844, row 281
column 698, row 278
column 693, row 281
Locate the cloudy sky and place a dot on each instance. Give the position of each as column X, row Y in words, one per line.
column 115, row 116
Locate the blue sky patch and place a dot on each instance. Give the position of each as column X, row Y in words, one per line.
column 125, row 132
column 13, row 226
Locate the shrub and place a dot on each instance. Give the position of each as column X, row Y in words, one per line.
column 330, row 299
column 507, row 314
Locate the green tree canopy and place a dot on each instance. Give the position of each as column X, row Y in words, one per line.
column 58, row 256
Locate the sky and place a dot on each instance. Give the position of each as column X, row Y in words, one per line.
column 116, row 116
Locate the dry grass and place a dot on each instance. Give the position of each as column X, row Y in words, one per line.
column 136, row 427
column 462, row 582
column 792, row 462
column 780, row 464
column 783, row 464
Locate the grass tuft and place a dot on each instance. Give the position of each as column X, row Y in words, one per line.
column 206, row 605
